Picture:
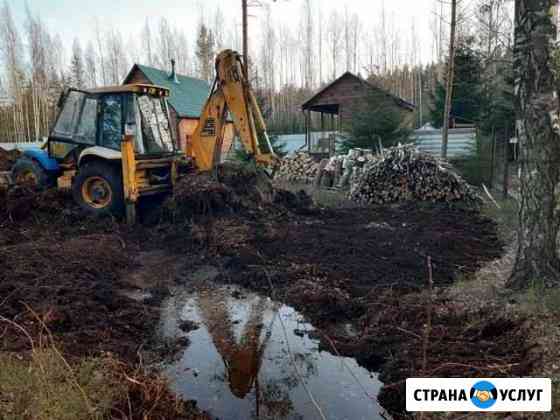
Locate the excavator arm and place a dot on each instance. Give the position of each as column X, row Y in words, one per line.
column 231, row 95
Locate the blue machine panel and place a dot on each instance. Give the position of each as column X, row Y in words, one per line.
column 41, row 156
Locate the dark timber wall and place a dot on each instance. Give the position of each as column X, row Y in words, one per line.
column 351, row 93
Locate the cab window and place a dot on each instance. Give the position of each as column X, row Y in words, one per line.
column 68, row 116
column 111, row 122
column 87, row 127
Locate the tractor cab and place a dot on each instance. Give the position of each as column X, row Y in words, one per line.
column 100, row 117
column 110, row 145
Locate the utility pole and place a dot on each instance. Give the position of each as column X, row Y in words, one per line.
column 245, row 38
column 450, row 76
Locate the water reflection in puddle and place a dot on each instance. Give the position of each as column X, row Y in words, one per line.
column 238, row 366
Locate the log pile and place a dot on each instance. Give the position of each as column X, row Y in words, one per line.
column 406, row 174
column 299, row 168
column 343, row 171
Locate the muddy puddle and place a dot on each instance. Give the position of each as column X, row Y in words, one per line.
column 248, row 355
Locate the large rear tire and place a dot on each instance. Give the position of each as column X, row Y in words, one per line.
column 29, row 172
column 98, row 189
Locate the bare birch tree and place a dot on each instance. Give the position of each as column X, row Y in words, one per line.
column 308, row 42
column 77, row 65
column 12, row 56
column 90, row 61
column 334, row 37
column 536, row 72
column 100, row 45
column 449, row 80
column 147, row 43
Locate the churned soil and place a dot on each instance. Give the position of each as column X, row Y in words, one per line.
column 358, row 274
column 62, row 278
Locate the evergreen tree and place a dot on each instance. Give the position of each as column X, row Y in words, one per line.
column 379, row 121
column 498, row 111
column 468, row 99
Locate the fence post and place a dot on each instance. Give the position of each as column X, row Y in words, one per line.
column 493, row 157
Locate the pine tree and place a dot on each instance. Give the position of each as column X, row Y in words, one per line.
column 467, row 100
column 379, row 121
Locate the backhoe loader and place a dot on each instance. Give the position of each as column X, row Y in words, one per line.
column 113, row 145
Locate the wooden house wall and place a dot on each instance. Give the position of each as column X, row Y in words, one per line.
column 351, row 94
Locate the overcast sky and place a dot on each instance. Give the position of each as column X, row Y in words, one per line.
column 74, row 18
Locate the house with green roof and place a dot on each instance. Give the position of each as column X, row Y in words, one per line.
column 187, row 96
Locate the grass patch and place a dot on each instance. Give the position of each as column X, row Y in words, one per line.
column 45, row 388
column 507, row 216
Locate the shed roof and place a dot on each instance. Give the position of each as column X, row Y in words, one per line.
column 399, row 101
column 186, row 97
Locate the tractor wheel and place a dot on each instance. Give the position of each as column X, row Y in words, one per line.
column 98, row 189
column 28, row 172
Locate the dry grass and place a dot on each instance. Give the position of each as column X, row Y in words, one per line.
column 43, row 388
column 43, row 385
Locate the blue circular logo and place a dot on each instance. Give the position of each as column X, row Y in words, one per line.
column 484, row 394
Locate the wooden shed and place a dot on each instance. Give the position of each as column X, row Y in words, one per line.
column 330, row 110
column 187, row 97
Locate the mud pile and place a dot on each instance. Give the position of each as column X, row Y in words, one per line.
column 28, row 215
column 71, row 286
column 238, row 190
column 21, row 203
column 197, row 194
column 8, row 158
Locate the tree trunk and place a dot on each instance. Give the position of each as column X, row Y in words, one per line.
column 536, row 105
column 450, row 76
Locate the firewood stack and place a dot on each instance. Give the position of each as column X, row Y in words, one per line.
column 342, row 171
column 406, row 174
column 300, row 168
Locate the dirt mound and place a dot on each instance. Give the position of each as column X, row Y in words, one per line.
column 299, row 202
column 8, row 158
column 197, row 194
column 71, row 285
column 20, row 203
column 27, row 215
column 238, row 189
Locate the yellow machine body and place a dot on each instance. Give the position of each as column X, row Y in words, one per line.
column 232, row 96
column 92, row 165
